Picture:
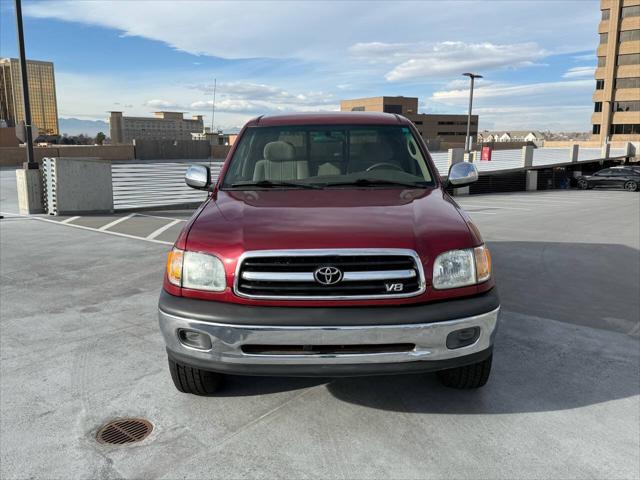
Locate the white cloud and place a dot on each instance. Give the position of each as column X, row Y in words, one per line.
column 247, row 97
column 162, row 104
column 515, row 91
column 560, row 105
column 579, row 72
column 346, row 47
column 442, row 59
column 246, row 29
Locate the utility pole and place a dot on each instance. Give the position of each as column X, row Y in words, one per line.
column 213, row 106
column 31, row 164
column 467, row 142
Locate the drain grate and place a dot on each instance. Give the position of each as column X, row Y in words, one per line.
column 123, row 431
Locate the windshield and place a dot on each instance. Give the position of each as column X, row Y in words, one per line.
column 378, row 156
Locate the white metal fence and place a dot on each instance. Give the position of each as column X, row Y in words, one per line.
column 158, row 183
column 441, row 159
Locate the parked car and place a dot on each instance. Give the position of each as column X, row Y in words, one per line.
column 329, row 247
column 627, row 177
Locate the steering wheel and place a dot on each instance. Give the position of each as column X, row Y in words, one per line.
column 384, row 164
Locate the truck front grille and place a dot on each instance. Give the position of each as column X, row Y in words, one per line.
column 329, row 274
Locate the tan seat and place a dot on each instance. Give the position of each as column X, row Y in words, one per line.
column 280, row 163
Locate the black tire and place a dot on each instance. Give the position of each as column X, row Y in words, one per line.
column 583, row 184
column 467, row 377
column 193, row 380
column 631, row 186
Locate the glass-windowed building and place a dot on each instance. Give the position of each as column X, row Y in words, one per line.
column 42, row 94
column 616, row 110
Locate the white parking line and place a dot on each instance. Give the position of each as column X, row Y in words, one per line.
column 476, row 205
column 115, row 222
column 69, row 220
column 162, row 229
column 163, row 218
column 82, row 227
column 117, row 234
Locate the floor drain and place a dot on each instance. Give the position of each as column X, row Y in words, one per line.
column 123, row 431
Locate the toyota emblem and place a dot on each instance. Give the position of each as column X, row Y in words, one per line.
column 327, row 275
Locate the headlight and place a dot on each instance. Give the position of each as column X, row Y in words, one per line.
column 198, row 271
column 460, row 268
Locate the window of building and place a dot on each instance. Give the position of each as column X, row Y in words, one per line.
column 633, row 11
column 605, row 14
column 632, row 106
column 629, row 35
column 629, row 58
column 357, row 109
column 596, row 129
column 626, row 129
column 393, row 109
column 632, row 82
column 602, row 61
column 604, row 38
column 418, row 122
column 598, row 107
column 599, row 84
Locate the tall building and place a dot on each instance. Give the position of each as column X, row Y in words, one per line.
column 164, row 126
column 42, row 95
column 616, row 99
column 434, row 129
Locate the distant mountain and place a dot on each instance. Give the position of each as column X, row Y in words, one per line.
column 76, row 126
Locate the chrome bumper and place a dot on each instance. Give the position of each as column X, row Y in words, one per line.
column 227, row 341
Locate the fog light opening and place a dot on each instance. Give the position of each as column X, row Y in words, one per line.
column 463, row 338
column 193, row 339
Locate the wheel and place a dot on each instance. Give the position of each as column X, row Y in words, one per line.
column 193, row 380
column 631, row 186
column 583, row 184
column 467, row 377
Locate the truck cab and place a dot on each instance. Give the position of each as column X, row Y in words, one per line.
column 329, row 246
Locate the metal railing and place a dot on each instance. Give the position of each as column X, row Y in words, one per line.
column 156, row 183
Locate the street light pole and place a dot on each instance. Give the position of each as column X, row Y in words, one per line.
column 31, row 163
column 467, row 142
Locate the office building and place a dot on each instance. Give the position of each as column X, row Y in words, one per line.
column 616, row 113
column 42, row 95
column 164, row 126
column 435, row 129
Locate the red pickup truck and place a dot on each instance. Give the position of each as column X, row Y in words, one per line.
column 329, row 247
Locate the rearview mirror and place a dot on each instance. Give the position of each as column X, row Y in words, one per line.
column 461, row 174
column 198, row 177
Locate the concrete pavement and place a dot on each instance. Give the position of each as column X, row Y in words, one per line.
column 79, row 345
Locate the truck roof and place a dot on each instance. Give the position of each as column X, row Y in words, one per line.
column 329, row 118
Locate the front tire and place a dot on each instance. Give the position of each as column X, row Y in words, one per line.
column 193, row 380
column 468, row 376
column 583, row 184
column 631, row 186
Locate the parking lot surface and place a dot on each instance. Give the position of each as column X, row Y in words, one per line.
column 79, row 345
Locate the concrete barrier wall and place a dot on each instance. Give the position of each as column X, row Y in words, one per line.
column 220, row 152
column 172, row 150
column 15, row 156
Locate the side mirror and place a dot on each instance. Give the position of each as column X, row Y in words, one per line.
column 462, row 174
column 198, row 177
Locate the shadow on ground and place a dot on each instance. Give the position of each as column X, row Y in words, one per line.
column 544, row 360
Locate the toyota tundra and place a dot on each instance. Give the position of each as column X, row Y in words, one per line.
column 329, row 246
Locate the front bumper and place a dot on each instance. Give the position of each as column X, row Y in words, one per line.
column 424, row 327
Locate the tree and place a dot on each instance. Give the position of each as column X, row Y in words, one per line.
column 100, row 138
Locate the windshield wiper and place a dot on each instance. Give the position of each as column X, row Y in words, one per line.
column 272, row 184
column 366, row 182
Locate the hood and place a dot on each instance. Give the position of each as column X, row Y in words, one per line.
column 427, row 221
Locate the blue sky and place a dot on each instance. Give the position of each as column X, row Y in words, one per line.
column 537, row 57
